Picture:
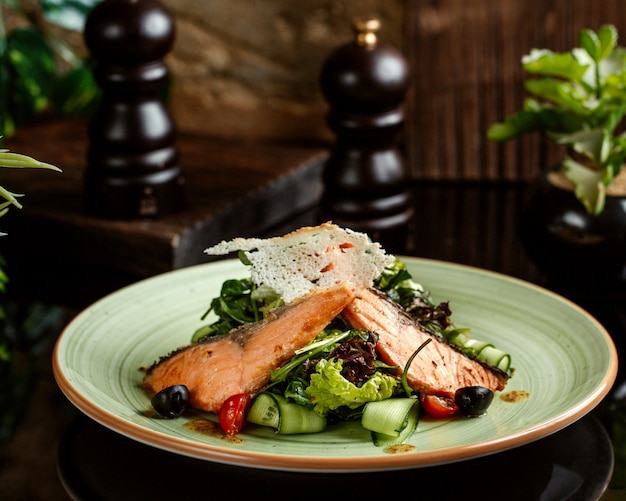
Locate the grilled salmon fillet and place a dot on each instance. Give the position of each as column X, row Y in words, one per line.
column 218, row 367
column 439, row 368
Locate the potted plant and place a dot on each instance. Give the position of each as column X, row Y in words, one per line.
column 574, row 226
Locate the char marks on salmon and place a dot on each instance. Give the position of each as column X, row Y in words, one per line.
column 439, row 368
column 218, row 367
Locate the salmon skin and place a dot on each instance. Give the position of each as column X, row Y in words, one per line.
column 439, row 368
column 218, row 367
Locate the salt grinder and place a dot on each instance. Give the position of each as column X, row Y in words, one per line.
column 132, row 161
column 366, row 183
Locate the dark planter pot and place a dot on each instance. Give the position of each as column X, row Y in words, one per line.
column 574, row 250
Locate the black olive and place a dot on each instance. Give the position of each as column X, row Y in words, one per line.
column 473, row 400
column 172, row 401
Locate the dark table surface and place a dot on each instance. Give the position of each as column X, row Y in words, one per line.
column 468, row 223
column 464, row 223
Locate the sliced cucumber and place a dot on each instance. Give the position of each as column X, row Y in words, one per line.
column 505, row 363
column 295, row 418
column 458, row 338
column 382, row 440
column 264, row 411
column 389, row 417
column 496, row 358
column 477, row 345
column 482, row 350
column 287, row 418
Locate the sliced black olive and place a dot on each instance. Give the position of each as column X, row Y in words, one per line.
column 473, row 400
column 172, row 401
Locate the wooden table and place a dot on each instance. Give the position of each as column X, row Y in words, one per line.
column 58, row 253
column 466, row 223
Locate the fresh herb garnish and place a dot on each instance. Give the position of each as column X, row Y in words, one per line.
column 398, row 284
column 240, row 302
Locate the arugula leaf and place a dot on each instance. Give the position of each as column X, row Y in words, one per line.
column 239, row 302
column 324, row 342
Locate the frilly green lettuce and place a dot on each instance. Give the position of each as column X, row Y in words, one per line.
column 329, row 390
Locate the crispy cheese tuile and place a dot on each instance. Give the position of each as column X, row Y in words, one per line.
column 312, row 256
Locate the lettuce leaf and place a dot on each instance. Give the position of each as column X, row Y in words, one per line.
column 329, row 390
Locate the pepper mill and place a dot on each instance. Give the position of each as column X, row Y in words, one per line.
column 366, row 184
column 132, row 161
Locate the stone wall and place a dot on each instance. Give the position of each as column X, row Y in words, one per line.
column 250, row 68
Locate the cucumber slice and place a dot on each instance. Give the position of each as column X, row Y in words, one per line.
column 484, row 351
column 389, row 417
column 295, row 418
column 264, row 411
column 477, row 345
column 458, row 338
column 382, row 440
column 287, row 418
column 496, row 358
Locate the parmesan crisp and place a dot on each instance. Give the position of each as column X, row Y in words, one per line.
column 313, row 256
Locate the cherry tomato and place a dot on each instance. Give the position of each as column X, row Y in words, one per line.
column 232, row 415
column 438, row 406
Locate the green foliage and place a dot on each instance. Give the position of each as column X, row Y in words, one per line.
column 69, row 14
column 38, row 71
column 20, row 334
column 577, row 99
column 17, row 161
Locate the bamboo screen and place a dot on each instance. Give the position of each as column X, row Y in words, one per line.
column 465, row 57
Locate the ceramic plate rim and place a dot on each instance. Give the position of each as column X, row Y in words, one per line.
column 287, row 462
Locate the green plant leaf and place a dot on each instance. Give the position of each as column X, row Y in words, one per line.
column 11, row 198
column 69, row 14
column 559, row 93
column 613, row 71
column 31, row 71
column 599, row 45
column 76, row 93
column 547, row 63
column 534, row 117
column 39, row 71
column 607, row 37
column 17, row 160
column 592, row 144
column 513, row 126
column 591, row 43
column 588, row 184
column 7, row 126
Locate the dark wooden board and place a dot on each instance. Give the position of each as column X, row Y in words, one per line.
column 232, row 189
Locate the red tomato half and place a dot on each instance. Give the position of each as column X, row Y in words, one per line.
column 438, row 406
column 232, row 415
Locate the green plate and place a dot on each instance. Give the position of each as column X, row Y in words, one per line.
column 562, row 356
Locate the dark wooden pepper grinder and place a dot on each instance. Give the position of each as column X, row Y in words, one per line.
column 366, row 183
column 132, row 161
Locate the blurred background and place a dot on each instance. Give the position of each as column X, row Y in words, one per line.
column 248, row 69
